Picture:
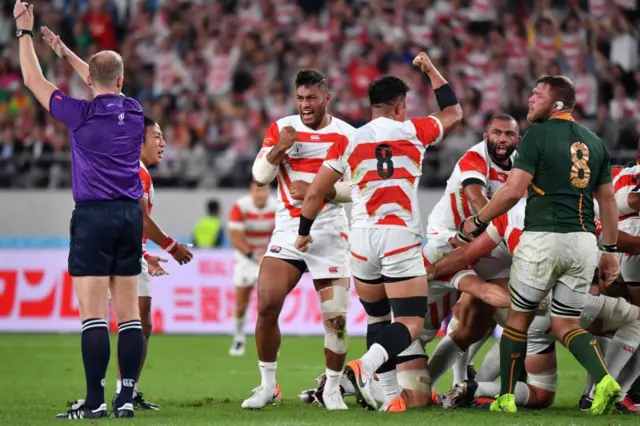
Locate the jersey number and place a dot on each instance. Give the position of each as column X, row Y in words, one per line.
column 385, row 165
column 580, row 172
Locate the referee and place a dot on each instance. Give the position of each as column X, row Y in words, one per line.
column 106, row 226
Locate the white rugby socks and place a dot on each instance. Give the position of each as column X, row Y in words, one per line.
column 446, row 354
column 374, row 358
column 268, row 373
column 333, row 380
column 239, row 332
column 490, row 368
column 389, row 385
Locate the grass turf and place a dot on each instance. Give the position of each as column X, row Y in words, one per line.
column 197, row 383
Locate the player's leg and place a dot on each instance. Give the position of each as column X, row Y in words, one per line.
column 245, row 276
column 567, row 305
column 531, row 278
column 328, row 264
column 145, row 306
column 406, row 287
column 378, row 309
column 489, row 370
column 277, row 278
column 125, row 271
column 90, row 259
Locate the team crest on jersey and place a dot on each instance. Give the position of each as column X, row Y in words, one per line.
column 333, row 269
column 275, row 249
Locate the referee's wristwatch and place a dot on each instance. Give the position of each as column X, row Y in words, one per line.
column 20, row 33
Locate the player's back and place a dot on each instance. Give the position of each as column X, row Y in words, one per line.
column 301, row 162
column 474, row 166
column 384, row 161
column 568, row 162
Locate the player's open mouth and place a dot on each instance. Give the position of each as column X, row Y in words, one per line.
column 307, row 115
column 501, row 149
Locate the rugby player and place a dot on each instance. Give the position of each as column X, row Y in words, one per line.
column 251, row 222
column 564, row 165
column 150, row 155
column 477, row 176
column 384, row 162
column 540, row 363
column 294, row 148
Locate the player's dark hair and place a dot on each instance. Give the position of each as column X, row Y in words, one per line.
column 149, row 122
column 501, row 117
column 309, row 77
column 386, row 91
column 562, row 87
column 213, row 207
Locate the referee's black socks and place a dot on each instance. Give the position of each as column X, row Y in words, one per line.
column 95, row 357
column 130, row 346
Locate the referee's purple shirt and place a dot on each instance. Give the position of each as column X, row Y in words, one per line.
column 106, row 138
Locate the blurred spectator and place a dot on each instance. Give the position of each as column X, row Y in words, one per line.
column 215, row 74
column 207, row 233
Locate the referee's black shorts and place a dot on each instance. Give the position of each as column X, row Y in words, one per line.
column 106, row 239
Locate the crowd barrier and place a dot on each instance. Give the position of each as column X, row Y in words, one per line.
column 36, row 295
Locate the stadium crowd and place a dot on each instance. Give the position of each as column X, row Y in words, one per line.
column 216, row 73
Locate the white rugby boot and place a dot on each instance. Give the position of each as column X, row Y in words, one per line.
column 262, row 396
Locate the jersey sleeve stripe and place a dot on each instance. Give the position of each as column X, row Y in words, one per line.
column 493, row 233
column 471, row 161
column 454, row 209
column 428, row 130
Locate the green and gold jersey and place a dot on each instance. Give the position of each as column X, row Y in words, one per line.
column 567, row 162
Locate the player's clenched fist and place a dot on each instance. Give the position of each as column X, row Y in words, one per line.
column 183, row 255
column 298, row 189
column 303, row 243
column 423, row 62
column 287, row 138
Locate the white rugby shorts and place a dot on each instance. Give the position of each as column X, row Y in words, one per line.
column 385, row 252
column 326, row 257
column 245, row 272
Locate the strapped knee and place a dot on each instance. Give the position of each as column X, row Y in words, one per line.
column 414, row 351
column 334, row 318
column 415, row 380
column 547, row 380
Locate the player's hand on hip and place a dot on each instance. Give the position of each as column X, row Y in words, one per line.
column 609, row 268
column 423, row 62
column 303, row 243
column 298, row 189
column 155, row 269
column 183, row 255
column 287, row 138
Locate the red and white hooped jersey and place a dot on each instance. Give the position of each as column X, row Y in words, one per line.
column 508, row 227
column 383, row 160
column 148, row 192
column 454, row 207
column 625, row 181
column 301, row 162
column 257, row 223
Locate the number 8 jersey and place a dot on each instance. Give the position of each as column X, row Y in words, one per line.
column 383, row 160
column 567, row 162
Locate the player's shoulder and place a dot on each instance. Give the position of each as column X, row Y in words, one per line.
column 537, row 130
column 131, row 104
column 290, row 120
column 244, row 203
column 340, row 126
column 144, row 172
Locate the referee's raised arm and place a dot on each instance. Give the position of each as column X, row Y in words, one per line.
column 106, row 225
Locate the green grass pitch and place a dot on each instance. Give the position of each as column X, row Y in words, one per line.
column 197, row 383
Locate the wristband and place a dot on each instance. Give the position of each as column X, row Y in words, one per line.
column 609, row 248
column 445, row 96
column 170, row 246
column 304, row 228
column 477, row 222
column 145, row 255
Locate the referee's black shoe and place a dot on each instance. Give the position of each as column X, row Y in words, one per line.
column 126, row 411
column 77, row 411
